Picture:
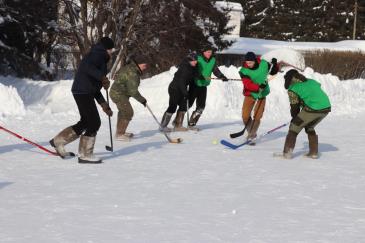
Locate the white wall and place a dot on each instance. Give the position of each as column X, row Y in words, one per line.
column 235, row 15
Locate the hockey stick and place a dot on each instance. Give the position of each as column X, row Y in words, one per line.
column 187, row 112
column 240, row 133
column 290, row 65
column 28, row 141
column 231, row 79
column 109, row 148
column 234, row 146
column 171, row 140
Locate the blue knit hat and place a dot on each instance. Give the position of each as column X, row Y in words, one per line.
column 250, row 56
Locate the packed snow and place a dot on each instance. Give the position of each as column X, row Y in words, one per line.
column 11, row 103
column 199, row 191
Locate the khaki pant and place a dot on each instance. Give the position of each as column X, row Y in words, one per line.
column 125, row 110
column 250, row 104
column 307, row 120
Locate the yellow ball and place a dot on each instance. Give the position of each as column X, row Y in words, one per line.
column 215, row 141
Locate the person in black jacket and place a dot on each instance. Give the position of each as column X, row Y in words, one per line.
column 178, row 92
column 90, row 78
column 207, row 65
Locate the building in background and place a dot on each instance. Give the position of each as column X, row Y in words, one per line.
column 235, row 12
column 236, row 17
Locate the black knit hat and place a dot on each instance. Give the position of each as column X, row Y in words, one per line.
column 250, row 56
column 192, row 56
column 207, row 48
column 107, row 43
column 288, row 77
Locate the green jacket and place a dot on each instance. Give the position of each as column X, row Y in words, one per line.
column 311, row 94
column 127, row 82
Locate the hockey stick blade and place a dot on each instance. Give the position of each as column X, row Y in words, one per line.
column 237, row 134
column 234, row 146
column 175, row 140
column 67, row 155
column 108, row 148
column 171, row 140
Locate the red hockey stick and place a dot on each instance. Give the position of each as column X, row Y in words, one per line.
column 28, row 141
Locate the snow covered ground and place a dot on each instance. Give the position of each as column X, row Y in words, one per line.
column 151, row 191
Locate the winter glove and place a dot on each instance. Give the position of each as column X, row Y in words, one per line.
column 263, row 86
column 106, row 109
column 144, row 102
column 274, row 61
column 224, row 79
column 105, row 82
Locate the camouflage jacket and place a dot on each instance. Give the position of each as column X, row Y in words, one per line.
column 127, row 81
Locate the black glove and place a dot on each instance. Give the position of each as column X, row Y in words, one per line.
column 144, row 102
column 274, row 61
column 263, row 86
column 224, row 79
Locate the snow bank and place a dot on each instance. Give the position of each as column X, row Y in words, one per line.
column 224, row 99
column 10, row 102
column 42, row 96
column 290, row 56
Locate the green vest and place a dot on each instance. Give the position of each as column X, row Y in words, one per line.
column 205, row 69
column 311, row 94
column 258, row 76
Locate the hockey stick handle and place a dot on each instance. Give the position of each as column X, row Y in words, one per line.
column 231, row 79
column 28, row 141
column 153, row 115
column 238, row 79
column 290, row 65
column 110, row 123
column 274, row 129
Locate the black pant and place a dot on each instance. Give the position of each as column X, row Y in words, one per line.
column 90, row 119
column 176, row 99
column 199, row 94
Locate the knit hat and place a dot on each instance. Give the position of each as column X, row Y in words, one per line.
column 192, row 56
column 288, row 77
column 207, row 48
column 107, row 43
column 250, row 56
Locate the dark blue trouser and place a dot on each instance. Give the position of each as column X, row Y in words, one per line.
column 90, row 119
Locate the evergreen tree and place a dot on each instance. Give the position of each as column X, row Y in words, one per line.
column 302, row 20
column 26, row 35
column 256, row 23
